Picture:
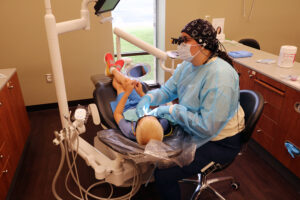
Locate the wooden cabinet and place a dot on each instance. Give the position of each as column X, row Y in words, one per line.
column 280, row 121
column 246, row 75
column 290, row 122
column 14, row 126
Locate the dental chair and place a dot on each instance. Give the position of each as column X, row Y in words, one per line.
column 252, row 103
column 175, row 149
column 103, row 94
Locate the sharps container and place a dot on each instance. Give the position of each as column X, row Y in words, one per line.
column 287, row 56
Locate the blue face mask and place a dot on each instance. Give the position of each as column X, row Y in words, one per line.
column 184, row 52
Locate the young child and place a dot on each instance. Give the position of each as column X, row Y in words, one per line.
column 129, row 93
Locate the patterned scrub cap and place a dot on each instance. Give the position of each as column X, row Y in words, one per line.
column 204, row 33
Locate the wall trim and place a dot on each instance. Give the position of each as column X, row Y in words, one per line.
column 55, row 105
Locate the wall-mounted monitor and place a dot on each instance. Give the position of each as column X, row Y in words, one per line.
column 103, row 6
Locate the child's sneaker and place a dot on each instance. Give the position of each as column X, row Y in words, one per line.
column 109, row 60
column 119, row 64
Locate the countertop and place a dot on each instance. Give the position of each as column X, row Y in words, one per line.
column 270, row 70
column 7, row 75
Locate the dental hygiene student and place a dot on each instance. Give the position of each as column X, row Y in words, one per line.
column 207, row 88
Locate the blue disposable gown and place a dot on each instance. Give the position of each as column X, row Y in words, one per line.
column 208, row 97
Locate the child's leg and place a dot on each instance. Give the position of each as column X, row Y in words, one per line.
column 119, row 77
column 118, row 86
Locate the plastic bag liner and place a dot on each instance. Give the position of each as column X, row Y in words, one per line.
column 177, row 149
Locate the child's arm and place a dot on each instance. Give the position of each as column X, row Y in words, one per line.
column 118, row 114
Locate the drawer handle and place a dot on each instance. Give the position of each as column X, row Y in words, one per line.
column 297, row 107
column 1, row 156
column 5, row 171
column 269, row 87
column 258, row 131
column 265, row 102
column 0, row 103
column 10, row 85
column 292, row 149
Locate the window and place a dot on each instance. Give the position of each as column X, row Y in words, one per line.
column 137, row 18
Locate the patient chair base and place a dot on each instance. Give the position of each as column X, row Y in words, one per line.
column 124, row 177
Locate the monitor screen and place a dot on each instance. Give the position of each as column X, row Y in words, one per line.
column 105, row 6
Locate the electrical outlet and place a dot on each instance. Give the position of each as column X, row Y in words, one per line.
column 49, row 78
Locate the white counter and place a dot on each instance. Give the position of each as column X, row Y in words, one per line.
column 271, row 70
column 7, row 75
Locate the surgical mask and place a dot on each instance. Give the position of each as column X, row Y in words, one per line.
column 184, row 52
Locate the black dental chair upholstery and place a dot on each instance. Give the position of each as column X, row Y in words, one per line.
column 250, row 43
column 103, row 94
column 252, row 104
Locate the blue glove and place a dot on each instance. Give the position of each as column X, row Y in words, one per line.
column 240, row 54
column 143, row 106
column 292, row 149
column 160, row 111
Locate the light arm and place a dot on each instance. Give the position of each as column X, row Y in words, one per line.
column 161, row 55
column 53, row 29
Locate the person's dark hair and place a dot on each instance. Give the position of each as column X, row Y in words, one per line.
column 224, row 56
column 205, row 34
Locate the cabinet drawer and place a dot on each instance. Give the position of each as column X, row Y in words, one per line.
column 4, row 115
column 265, row 132
column 271, row 82
column 263, row 139
column 272, row 95
column 6, row 176
column 3, row 154
column 272, row 112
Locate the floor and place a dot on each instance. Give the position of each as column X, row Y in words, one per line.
column 258, row 179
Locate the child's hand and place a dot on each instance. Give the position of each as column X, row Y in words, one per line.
column 139, row 88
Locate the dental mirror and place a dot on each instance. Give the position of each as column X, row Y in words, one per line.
column 138, row 70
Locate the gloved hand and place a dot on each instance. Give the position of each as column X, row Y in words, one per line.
column 161, row 111
column 143, row 106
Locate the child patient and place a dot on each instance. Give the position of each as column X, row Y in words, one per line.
column 129, row 93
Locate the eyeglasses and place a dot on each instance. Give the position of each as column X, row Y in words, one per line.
column 180, row 40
